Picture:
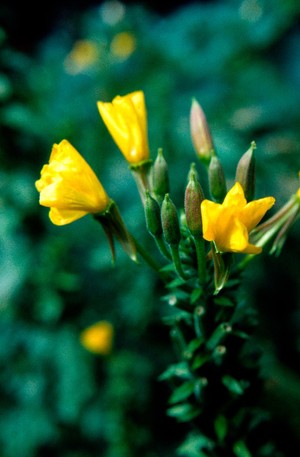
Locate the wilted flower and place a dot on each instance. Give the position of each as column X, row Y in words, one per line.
column 228, row 224
column 126, row 119
column 98, row 338
column 69, row 187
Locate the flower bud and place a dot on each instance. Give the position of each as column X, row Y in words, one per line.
column 216, row 178
column 192, row 202
column 245, row 172
column 170, row 221
column 152, row 215
column 200, row 133
column 160, row 177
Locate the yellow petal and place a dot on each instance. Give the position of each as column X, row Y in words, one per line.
column 235, row 197
column 228, row 224
column 235, row 238
column 64, row 216
column 210, row 213
column 68, row 184
column 254, row 211
column 126, row 120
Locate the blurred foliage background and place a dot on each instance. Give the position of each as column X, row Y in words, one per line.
column 241, row 60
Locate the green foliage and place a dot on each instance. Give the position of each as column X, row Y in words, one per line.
column 240, row 59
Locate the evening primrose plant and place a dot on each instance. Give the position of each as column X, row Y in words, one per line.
column 203, row 249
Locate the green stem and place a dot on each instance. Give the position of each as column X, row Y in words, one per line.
column 201, row 258
column 162, row 248
column 177, row 261
column 148, row 258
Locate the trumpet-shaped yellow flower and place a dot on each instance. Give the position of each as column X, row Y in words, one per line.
column 126, row 119
column 98, row 338
column 69, row 187
column 229, row 224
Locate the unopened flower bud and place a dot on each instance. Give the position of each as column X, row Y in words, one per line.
column 170, row 221
column 200, row 133
column 245, row 172
column 160, row 177
column 216, row 178
column 152, row 215
column 192, row 202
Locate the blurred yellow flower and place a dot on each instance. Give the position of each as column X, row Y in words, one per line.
column 126, row 119
column 82, row 56
column 123, row 45
column 228, row 224
column 98, row 338
column 69, row 187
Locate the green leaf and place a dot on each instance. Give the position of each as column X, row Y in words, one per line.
column 221, row 427
column 240, row 449
column 178, row 370
column 182, row 392
column 200, row 360
column 223, row 301
column 195, row 295
column 176, row 283
column 195, row 446
column 194, row 344
column 184, row 412
column 233, row 385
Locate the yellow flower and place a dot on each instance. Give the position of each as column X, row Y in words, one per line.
column 123, row 45
column 126, row 119
column 84, row 54
column 69, row 187
column 229, row 224
column 98, row 338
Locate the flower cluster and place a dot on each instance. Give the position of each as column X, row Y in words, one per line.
column 71, row 189
column 212, row 239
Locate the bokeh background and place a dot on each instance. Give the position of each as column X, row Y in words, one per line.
column 241, row 60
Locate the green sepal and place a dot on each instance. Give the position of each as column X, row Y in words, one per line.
column 152, row 216
column 222, row 263
column 193, row 198
column 170, row 222
column 160, row 177
column 216, row 180
column 245, row 172
column 114, row 227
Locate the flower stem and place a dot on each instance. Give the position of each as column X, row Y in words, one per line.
column 201, row 261
column 148, row 258
column 177, row 261
column 162, row 248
